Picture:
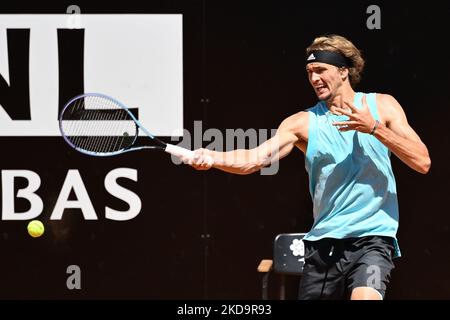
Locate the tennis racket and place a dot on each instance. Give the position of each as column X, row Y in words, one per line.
column 98, row 125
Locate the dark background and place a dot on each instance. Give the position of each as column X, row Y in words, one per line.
column 201, row 235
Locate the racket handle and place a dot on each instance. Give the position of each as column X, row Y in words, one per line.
column 179, row 152
column 187, row 154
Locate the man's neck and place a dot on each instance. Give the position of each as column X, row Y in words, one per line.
column 337, row 101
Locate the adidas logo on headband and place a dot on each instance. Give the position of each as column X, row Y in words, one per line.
column 311, row 57
column 331, row 57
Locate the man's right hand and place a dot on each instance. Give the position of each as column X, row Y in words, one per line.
column 203, row 159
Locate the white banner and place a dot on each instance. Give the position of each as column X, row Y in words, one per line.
column 134, row 58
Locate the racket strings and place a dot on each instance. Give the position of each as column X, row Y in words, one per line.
column 96, row 142
column 118, row 120
column 98, row 124
column 99, row 142
column 74, row 112
column 121, row 141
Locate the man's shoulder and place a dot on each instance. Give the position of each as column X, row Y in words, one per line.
column 388, row 107
column 296, row 124
column 385, row 98
column 387, row 103
column 300, row 116
column 299, row 121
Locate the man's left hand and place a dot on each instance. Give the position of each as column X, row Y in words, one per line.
column 359, row 119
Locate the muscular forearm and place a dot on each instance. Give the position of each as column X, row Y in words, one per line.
column 243, row 161
column 238, row 161
column 412, row 152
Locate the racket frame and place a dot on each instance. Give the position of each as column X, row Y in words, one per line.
column 161, row 145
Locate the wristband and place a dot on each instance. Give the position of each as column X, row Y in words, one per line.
column 375, row 127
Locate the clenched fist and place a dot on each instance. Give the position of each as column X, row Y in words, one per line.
column 202, row 160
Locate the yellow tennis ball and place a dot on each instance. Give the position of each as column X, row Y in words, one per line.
column 35, row 228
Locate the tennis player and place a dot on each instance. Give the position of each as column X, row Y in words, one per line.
column 347, row 139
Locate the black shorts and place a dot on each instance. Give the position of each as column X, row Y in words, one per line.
column 334, row 267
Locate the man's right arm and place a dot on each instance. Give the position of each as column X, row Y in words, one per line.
column 246, row 161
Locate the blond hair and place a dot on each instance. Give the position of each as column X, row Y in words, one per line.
column 345, row 47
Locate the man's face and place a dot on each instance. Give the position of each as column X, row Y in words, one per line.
column 324, row 78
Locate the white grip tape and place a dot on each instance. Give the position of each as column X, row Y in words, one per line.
column 187, row 154
column 179, row 152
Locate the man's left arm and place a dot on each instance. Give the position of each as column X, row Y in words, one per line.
column 399, row 137
column 393, row 131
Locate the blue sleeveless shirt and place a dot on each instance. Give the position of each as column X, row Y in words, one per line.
column 350, row 179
